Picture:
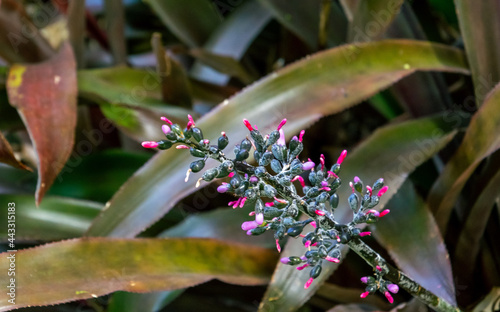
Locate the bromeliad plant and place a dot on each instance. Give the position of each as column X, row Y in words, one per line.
column 277, row 204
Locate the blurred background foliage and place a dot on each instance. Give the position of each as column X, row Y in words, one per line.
column 408, row 87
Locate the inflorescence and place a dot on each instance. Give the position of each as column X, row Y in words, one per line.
column 271, row 189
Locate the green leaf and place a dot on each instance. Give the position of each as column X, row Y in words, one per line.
column 232, row 39
column 56, row 217
column 477, row 18
column 324, row 83
column 111, row 167
column 372, row 18
column 45, row 94
column 411, row 236
column 481, row 140
column 469, row 240
column 392, row 153
column 191, row 21
column 303, row 19
column 122, row 301
column 85, row 268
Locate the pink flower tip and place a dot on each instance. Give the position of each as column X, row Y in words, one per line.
column 313, row 224
column 300, row 268
column 149, row 144
column 320, row 212
column 165, row 129
column 356, row 179
column 281, row 141
column 365, row 294
column 249, row 232
column 247, row 124
column 389, row 297
column 248, row 225
column 223, row 188
column 282, row 123
column 332, row 259
column 378, row 268
column 308, row 165
column 393, row 288
column 375, row 212
column 382, row 191
column 285, row 260
column 301, row 135
column 269, row 204
column 307, row 244
column 182, row 147
column 242, row 202
column 278, row 247
column 325, row 188
column 364, row 279
column 365, row 234
column 231, row 174
column 383, row 213
column 341, row 157
column 301, row 180
column 370, row 190
column 308, row 283
column 165, row 119
column 259, row 218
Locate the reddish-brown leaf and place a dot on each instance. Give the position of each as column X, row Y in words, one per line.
column 7, row 155
column 45, row 96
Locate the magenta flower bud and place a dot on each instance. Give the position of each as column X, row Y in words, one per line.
column 231, row 174
column 382, row 191
column 364, row 279
column 356, row 179
column 324, row 184
column 278, row 247
column 252, row 213
column 285, row 260
column 332, row 174
column 308, row 283
column 259, row 218
column 149, row 144
column 249, row 232
column 248, row 125
column 242, row 202
column 191, row 120
column 378, row 268
column 165, row 129
column 313, row 224
column 341, row 157
column 332, row 259
column 301, row 135
column 326, row 188
column 393, row 288
column 365, row 234
column 248, row 225
column 269, row 204
column 182, row 147
column 308, row 165
column 300, row 268
column 165, row 119
column 383, row 213
column 370, row 190
column 319, row 212
column 363, row 295
column 281, row 141
column 282, row 123
column 223, row 188
column 389, row 297
column 301, row 180
column 303, row 258
column 307, row 244
column 253, row 179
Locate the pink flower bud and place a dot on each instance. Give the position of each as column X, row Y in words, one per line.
column 308, row 165
column 389, row 297
column 165, row 119
column 322, row 161
column 252, row 213
column 248, row 125
column 332, row 259
column 363, row 295
column 320, row 212
column 382, row 191
column 278, row 247
column 365, row 234
column 301, row 135
column 375, row 212
column 149, row 144
column 285, row 260
column 356, row 179
column 393, row 288
column 313, row 224
column 307, row 244
column 223, row 188
column 383, row 213
column 341, row 157
column 165, row 129
column 269, row 204
column 378, row 268
column 281, row 141
column 300, row 268
column 370, row 190
column 242, row 202
column 182, row 147
column 259, row 218
column 364, row 279
column 248, row 225
column 249, row 232
column 282, row 123
column 308, row 283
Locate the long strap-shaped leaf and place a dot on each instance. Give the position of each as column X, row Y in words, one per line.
column 481, row 140
column 323, row 84
column 85, row 268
